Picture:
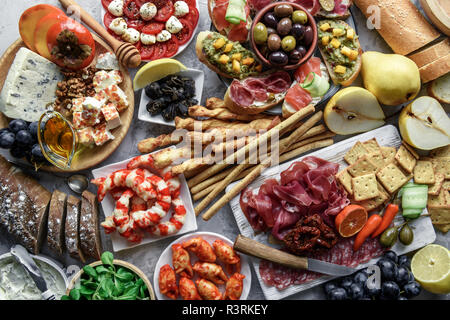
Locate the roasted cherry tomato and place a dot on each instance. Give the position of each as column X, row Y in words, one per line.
column 171, row 47
column 165, row 12
column 192, row 16
column 186, row 33
column 107, row 19
column 137, row 24
column 106, row 3
column 153, row 28
column 131, row 9
column 71, row 45
column 147, row 52
column 160, row 50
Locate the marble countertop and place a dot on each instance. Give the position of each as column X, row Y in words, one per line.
column 145, row 257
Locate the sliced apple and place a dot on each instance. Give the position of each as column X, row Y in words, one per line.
column 29, row 20
column 353, row 110
column 424, row 124
column 40, row 34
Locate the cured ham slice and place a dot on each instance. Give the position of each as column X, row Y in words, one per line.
column 219, row 11
column 297, row 97
column 341, row 8
column 312, row 65
column 313, row 6
column 237, row 32
column 241, row 93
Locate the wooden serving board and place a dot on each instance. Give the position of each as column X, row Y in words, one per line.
column 386, row 136
column 89, row 157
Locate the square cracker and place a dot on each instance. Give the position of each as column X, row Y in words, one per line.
column 372, row 145
column 388, row 154
column 346, row 180
column 442, row 152
column 405, row 158
column 357, row 151
column 442, row 165
column 410, row 149
column 443, row 227
column 424, row 173
column 362, row 167
column 438, row 184
column 392, row 178
column 372, row 204
column 365, row 187
column 446, row 185
column 377, row 159
column 439, row 201
column 439, row 215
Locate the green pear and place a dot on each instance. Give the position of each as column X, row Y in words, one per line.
column 392, row 78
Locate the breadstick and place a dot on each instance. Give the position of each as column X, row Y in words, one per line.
column 254, row 144
column 202, row 185
column 258, row 124
column 318, row 137
column 191, row 173
column 255, row 172
column 224, row 114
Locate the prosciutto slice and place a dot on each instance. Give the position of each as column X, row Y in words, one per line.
column 236, row 32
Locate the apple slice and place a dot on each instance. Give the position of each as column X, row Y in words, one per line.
column 424, row 124
column 29, row 20
column 40, row 34
column 353, row 110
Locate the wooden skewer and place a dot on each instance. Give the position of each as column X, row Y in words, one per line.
column 127, row 54
column 257, row 170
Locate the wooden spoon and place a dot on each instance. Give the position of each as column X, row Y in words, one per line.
column 127, row 54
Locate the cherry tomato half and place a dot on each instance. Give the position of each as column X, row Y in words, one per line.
column 147, row 52
column 153, row 28
column 131, row 9
column 186, row 33
column 165, row 12
column 171, row 47
column 160, row 50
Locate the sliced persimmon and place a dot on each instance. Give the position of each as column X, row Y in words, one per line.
column 29, row 20
column 40, row 34
column 351, row 220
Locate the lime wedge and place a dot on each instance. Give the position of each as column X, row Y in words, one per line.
column 431, row 268
column 156, row 70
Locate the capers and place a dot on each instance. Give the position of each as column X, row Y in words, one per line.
column 389, row 237
column 283, row 10
column 299, row 16
column 260, row 33
column 406, row 235
column 288, row 43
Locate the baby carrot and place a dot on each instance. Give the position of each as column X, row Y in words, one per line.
column 388, row 216
column 371, row 225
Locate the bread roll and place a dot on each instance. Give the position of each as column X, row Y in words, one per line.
column 401, row 24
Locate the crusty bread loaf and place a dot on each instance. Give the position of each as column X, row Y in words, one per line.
column 23, row 206
column 440, row 88
column 435, row 69
column 431, row 53
column 402, row 26
column 72, row 228
column 89, row 226
column 56, row 221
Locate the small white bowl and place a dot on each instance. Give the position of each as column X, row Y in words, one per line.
column 197, row 75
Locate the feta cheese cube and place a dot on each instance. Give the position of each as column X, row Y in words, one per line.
column 118, row 26
column 111, row 115
column 102, row 134
column 77, row 104
column 148, row 11
column 104, row 79
column 181, row 8
column 116, row 95
column 86, row 136
column 107, row 61
column 173, row 25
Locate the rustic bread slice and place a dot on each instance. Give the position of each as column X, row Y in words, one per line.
column 56, row 221
column 440, row 88
column 23, row 206
column 90, row 241
column 72, row 226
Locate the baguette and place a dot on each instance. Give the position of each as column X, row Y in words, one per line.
column 348, row 78
column 435, row 69
column 431, row 53
column 56, row 221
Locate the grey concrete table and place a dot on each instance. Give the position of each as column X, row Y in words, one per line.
column 145, row 257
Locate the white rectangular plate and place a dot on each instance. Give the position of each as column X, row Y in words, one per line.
column 197, row 75
column 386, row 136
column 120, row 243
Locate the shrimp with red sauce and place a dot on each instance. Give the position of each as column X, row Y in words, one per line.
column 188, row 291
column 208, row 290
column 234, row 287
column 181, row 261
column 201, row 248
column 226, row 254
column 211, row 271
column 168, row 282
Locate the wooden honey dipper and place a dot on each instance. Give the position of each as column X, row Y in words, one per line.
column 127, row 54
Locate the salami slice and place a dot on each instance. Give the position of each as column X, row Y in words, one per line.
column 257, row 87
column 240, row 94
column 278, row 82
column 275, row 275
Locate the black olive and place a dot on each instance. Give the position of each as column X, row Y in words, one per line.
column 308, row 36
column 270, row 20
column 301, row 49
column 278, row 58
column 295, row 56
column 298, row 30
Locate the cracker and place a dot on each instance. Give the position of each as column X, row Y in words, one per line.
column 372, row 204
column 388, row 154
column 362, row 167
column 424, row 173
column 439, row 215
column 372, row 145
column 443, row 227
column 439, row 201
column 346, row 180
column 442, row 152
column 365, row 187
column 410, row 149
column 438, row 184
column 377, row 159
column 442, row 165
column 405, row 159
column 446, row 185
column 357, row 151
column 392, row 178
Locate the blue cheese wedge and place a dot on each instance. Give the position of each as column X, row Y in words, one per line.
column 30, row 86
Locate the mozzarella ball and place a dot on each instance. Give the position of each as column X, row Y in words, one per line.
column 163, row 36
column 173, row 25
column 119, row 26
column 116, row 8
column 148, row 11
column 148, row 38
column 131, row 35
column 181, row 8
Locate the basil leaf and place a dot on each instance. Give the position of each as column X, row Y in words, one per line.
column 140, row 282
column 75, row 294
column 90, row 271
column 124, row 276
column 101, row 269
column 108, row 286
column 142, row 291
column 90, row 284
column 64, row 297
column 107, row 258
column 133, row 290
column 119, row 286
column 86, row 291
column 126, row 297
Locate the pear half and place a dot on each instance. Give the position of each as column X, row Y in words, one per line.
column 353, row 110
column 424, row 124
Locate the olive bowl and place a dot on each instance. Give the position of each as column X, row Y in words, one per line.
column 311, row 22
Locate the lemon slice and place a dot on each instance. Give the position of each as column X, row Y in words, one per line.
column 156, row 70
column 431, row 268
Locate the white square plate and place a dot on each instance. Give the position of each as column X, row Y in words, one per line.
column 197, row 75
column 120, row 243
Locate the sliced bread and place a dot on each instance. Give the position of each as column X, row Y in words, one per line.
column 56, row 221
column 440, row 88
column 90, row 241
column 71, row 228
column 435, row 69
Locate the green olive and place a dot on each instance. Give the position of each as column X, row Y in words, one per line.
column 260, row 33
column 299, row 16
column 288, row 43
column 406, row 235
column 389, row 237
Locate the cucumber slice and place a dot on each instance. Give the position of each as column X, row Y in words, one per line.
column 408, row 185
column 236, row 11
column 415, row 197
column 412, row 213
column 317, row 87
